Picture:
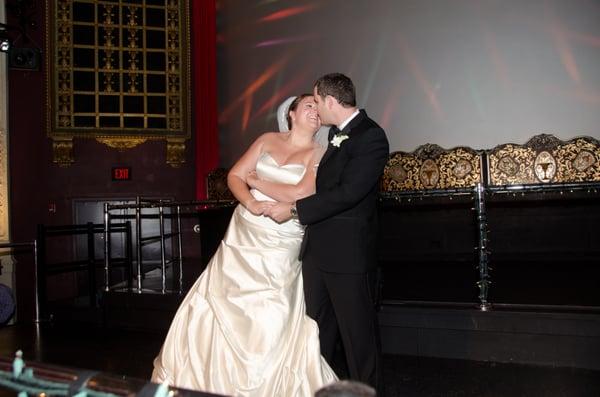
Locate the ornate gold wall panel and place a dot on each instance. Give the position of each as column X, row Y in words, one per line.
column 4, row 235
column 431, row 167
column 545, row 159
column 216, row 185
column 118, row 72
column 7, row 274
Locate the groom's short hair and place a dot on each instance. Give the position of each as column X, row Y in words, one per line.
column 338, row 86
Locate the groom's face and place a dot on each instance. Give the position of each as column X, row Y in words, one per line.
column 321, row 107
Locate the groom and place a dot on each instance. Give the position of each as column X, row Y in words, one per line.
column 338, row 251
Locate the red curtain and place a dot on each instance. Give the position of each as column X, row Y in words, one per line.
column 204, row 77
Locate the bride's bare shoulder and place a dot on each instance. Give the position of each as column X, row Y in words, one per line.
column 272, row 136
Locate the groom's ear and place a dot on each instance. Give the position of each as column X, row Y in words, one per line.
column 330, row 101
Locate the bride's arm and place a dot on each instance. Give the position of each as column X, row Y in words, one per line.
column 289, row 193
column 284, row 192
column 236, row 178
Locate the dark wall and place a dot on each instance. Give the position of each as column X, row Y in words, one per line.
column 35, row 182
column 543, row 249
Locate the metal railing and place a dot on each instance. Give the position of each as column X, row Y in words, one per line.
column 479, row 195
column 179, row 208
column 89, row 264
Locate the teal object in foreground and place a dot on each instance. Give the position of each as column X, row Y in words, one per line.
column 23, row 381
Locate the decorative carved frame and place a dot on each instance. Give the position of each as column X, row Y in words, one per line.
column 432, row 167
column 60, row 109
column 216, row 185
column 7, row 273
column 545, row 159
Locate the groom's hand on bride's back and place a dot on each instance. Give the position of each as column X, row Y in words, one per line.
column 279, row 212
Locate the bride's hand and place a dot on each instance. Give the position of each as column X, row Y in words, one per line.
column 258, row 207
column 251, row 179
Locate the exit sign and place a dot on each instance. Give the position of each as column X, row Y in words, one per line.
column 121, row 173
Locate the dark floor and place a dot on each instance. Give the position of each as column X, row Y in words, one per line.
column 130, row 353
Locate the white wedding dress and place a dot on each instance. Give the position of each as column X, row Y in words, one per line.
column 242, row 330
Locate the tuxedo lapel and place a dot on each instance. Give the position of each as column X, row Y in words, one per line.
column 328, row 152
column 346, row 130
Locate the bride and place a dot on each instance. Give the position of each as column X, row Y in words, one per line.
column 242, row 329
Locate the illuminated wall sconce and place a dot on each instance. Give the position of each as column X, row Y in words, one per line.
column 4, row 44
column 4, row 39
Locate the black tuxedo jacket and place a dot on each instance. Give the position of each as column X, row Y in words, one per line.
column 341, row 217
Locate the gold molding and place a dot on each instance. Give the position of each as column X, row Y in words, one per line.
column 545, row 159
column 116, row 104
column 432, row 167
column 121, row 143
column 175, row 152
column 7, row 261
column 62, row 151
column 216, row 185
column 4, row 205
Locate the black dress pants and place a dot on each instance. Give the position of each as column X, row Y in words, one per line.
column 342, row 305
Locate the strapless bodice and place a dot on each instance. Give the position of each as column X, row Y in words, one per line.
column 268, row 169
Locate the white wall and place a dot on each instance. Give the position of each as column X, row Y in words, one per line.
column 451, row 72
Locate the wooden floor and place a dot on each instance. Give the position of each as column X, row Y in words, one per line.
column 130, row 353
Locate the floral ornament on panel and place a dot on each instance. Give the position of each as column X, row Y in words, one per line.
column 338, row 139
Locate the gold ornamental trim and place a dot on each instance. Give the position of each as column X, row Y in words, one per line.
column 432, row 167
column 119, row 73
column 121, row 143
column 216, row 185
column 175, row 152
column 62, row 151
column 545, row 159
column 4, row 204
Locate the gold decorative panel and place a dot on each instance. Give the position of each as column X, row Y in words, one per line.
column 7, row 262
column 216, row 185
column 4, row 203
column 545, row 159
column 431, row 167
column 119, row 72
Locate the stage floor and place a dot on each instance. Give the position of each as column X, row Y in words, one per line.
column 130, row 353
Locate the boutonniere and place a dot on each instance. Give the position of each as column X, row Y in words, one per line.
column 338, row 139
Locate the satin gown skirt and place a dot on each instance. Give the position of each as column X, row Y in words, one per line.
column 242, row 329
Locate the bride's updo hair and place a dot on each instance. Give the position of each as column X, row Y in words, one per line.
column 293, row 107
